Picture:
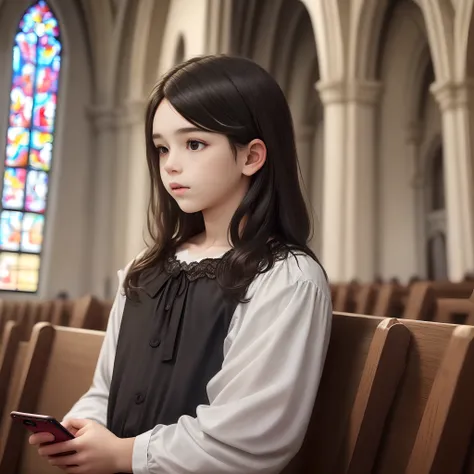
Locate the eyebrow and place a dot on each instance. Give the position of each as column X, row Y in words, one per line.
column 181, row 131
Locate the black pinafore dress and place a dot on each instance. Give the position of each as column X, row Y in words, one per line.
column 169, row 347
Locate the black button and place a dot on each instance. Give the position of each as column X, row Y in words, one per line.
column 155, row 342
column 139, row 398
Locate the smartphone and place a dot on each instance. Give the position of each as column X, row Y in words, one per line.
column 43, row 424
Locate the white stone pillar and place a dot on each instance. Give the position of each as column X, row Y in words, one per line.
column 132, row 184
column 104, row 121
column 348, row 217
column 417, row 184
column 455, row 100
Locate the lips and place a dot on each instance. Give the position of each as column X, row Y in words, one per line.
column 176, row 186
column 178, row 189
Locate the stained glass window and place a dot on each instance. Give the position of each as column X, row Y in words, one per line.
column 28, row 155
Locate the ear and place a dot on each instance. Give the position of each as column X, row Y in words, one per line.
column 256, row 155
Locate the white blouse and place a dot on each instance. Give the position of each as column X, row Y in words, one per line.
column 260, row 402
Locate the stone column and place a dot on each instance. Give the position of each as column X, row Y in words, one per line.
column 417, row 184
column 104, row 122
column 456, row 104
column 348, row 217
column 131, row 192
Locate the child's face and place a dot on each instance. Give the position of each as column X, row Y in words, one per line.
column 203, row 163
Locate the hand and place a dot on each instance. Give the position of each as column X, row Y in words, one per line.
column 39, row 439
column 96, row 449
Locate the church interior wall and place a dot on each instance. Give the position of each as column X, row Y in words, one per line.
column 117, row 50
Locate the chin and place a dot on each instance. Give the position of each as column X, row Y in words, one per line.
column 189, row 208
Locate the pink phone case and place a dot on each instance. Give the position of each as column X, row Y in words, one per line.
column 41, row 424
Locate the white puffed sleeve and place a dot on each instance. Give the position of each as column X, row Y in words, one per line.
column 261, row 400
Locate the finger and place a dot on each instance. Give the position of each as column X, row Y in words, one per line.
column 75, row 470
column 40, row 438
column 77, row 423
column 57, row 448
column 70, row 460
column 69, row 426
column 67, row 423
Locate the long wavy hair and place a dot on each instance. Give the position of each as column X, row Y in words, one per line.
column 235, row 97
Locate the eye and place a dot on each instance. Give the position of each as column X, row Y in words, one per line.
column 196, row 145
column 161, row 150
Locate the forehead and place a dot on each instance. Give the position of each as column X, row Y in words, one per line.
column 167, row 119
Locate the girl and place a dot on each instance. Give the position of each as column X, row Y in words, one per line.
column 217, row 337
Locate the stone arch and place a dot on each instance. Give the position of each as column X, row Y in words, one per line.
column 137, row 53
column 281, row 62
column 370, row 20
column 327, row 27
column 367, row 24
column 439, row 20
column 269, row 23
column 121, row 52
column 464, row 39
column 99, row 20
column 249, row 19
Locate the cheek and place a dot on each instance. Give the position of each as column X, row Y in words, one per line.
column 161, row 170
column 221, row 172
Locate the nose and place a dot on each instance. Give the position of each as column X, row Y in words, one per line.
column 172, row 164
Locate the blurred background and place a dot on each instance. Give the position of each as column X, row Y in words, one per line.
column 381, row 95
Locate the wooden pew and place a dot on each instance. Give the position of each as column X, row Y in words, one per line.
column 395, row 396
column 423, row 429
column 443, row 437
column 365, row 361
column 88, row 312
column 58, row 369
column 390, row 300
column 8, row 350
column 61, row 312
column 421, row 302
column 427, row 369
column 455, row 310
column 345, row 297
column 365, row 298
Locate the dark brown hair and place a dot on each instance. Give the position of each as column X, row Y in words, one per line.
column 235, row 97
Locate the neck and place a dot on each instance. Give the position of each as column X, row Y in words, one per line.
column 217, row 222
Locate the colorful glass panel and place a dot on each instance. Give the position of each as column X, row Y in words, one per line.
column 32, row 232
column 36, row 66
column 36, row 191
column 44, row 111
column 8, row 271
column 13, row 188
column 28, row 272
column 17, row 147
column 10, row 230
column 41, row 150
column 19, row 272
